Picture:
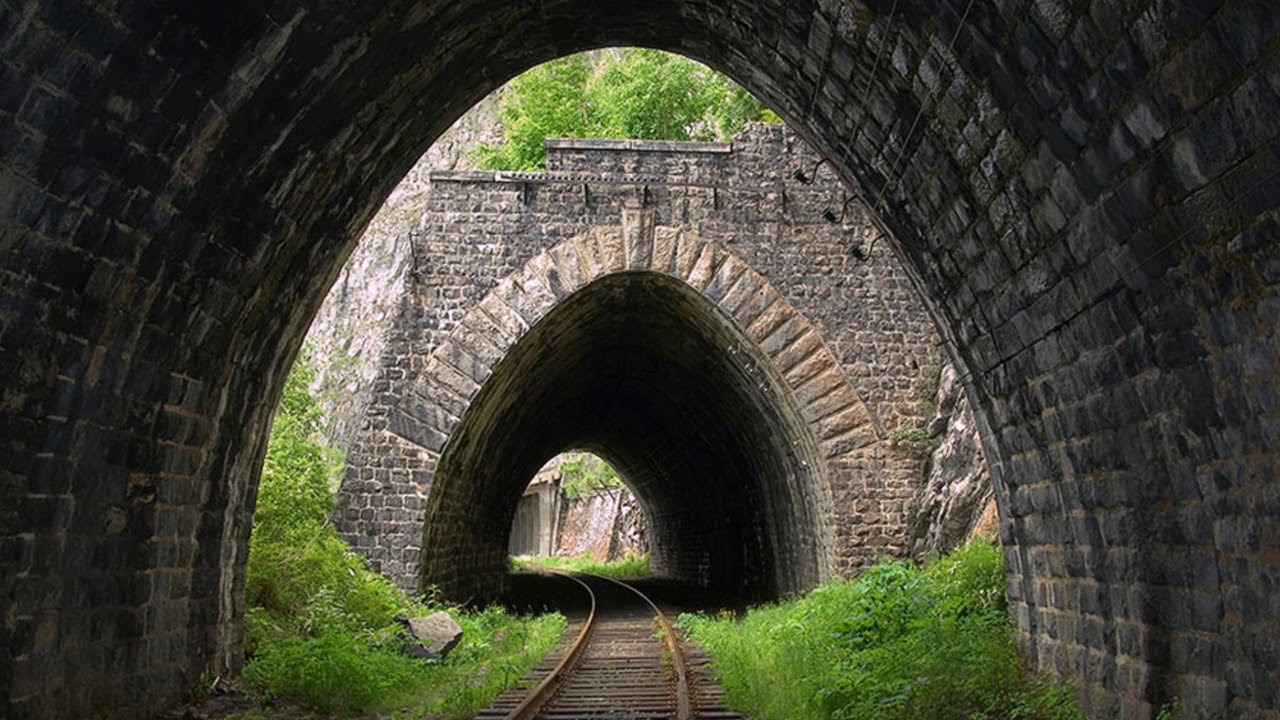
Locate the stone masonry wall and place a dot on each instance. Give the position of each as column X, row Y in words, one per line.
column 477, row 230
column 1086, row 194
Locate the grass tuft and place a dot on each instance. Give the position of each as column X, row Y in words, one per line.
column 899, row 642
column 629, row 566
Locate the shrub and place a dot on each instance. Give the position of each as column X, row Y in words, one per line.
column 320, row 622
column 898, row 642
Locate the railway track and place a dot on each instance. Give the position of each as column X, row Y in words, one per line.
column 626, row 662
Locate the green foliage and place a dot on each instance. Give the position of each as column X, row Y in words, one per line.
column 898, row 642
column 320, row 623
column 295, row 558
column 334, row 671
column 620, row 93
column 338, row 671
column 909, row 434
column 584, row 474
column 548, row 100
column 1171, row 710
column 298, row 470
column 629, row 566
column 640, row 93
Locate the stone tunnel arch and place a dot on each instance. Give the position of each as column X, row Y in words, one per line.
column 754, row 410
column 1086, row 192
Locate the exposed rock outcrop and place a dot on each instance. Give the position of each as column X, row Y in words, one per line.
column 629, row 529
column 956, row 501
column 608, row 524
column 351, row 329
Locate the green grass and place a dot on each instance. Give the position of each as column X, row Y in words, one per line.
column 336, row 670
column 320, row 624
column 899, row 642
column 629, row 566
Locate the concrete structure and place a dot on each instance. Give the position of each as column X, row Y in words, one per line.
column 607, row 523
column 686, row 311
column 537, row 515
column 1086, row 195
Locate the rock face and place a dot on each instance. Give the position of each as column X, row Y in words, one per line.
column 437, row 634
column 351, row 331
column 608, row 524
column 956, row 501
column 630, row 536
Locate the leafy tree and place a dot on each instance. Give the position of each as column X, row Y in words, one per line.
column 585, row 474
column 620, row 93
column 549, row 100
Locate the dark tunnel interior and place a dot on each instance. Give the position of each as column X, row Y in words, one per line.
column 649, row 375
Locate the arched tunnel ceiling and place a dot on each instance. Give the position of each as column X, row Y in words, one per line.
column 1087, row 192
column 646, row 372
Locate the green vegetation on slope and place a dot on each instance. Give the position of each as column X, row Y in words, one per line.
column 321, row 631
column 618, row 93
column 583, row 474
column 898, row 643
column 629, row 566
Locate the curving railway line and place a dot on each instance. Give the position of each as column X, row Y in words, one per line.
column 626, row 662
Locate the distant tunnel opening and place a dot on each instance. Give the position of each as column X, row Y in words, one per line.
column 645, row 372
column 577, row 506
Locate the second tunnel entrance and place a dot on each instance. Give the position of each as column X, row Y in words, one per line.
column 648, row 374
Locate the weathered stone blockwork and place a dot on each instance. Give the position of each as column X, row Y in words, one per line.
column 1086, row 192
column 479, row 233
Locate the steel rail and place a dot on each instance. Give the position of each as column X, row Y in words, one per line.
column 545, row 690
column 684, row 705
column 537, row 700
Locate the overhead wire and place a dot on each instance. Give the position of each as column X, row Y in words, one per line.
column 894, row 175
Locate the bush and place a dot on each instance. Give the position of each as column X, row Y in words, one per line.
column 320, row 622
column 898, row 642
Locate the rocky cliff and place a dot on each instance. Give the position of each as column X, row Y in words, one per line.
column 349, row 333
column 608, row 525
column 956, row 499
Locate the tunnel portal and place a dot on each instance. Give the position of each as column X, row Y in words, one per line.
column 648, row 374
column 828, row 343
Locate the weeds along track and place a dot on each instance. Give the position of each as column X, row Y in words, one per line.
column 627, row 661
